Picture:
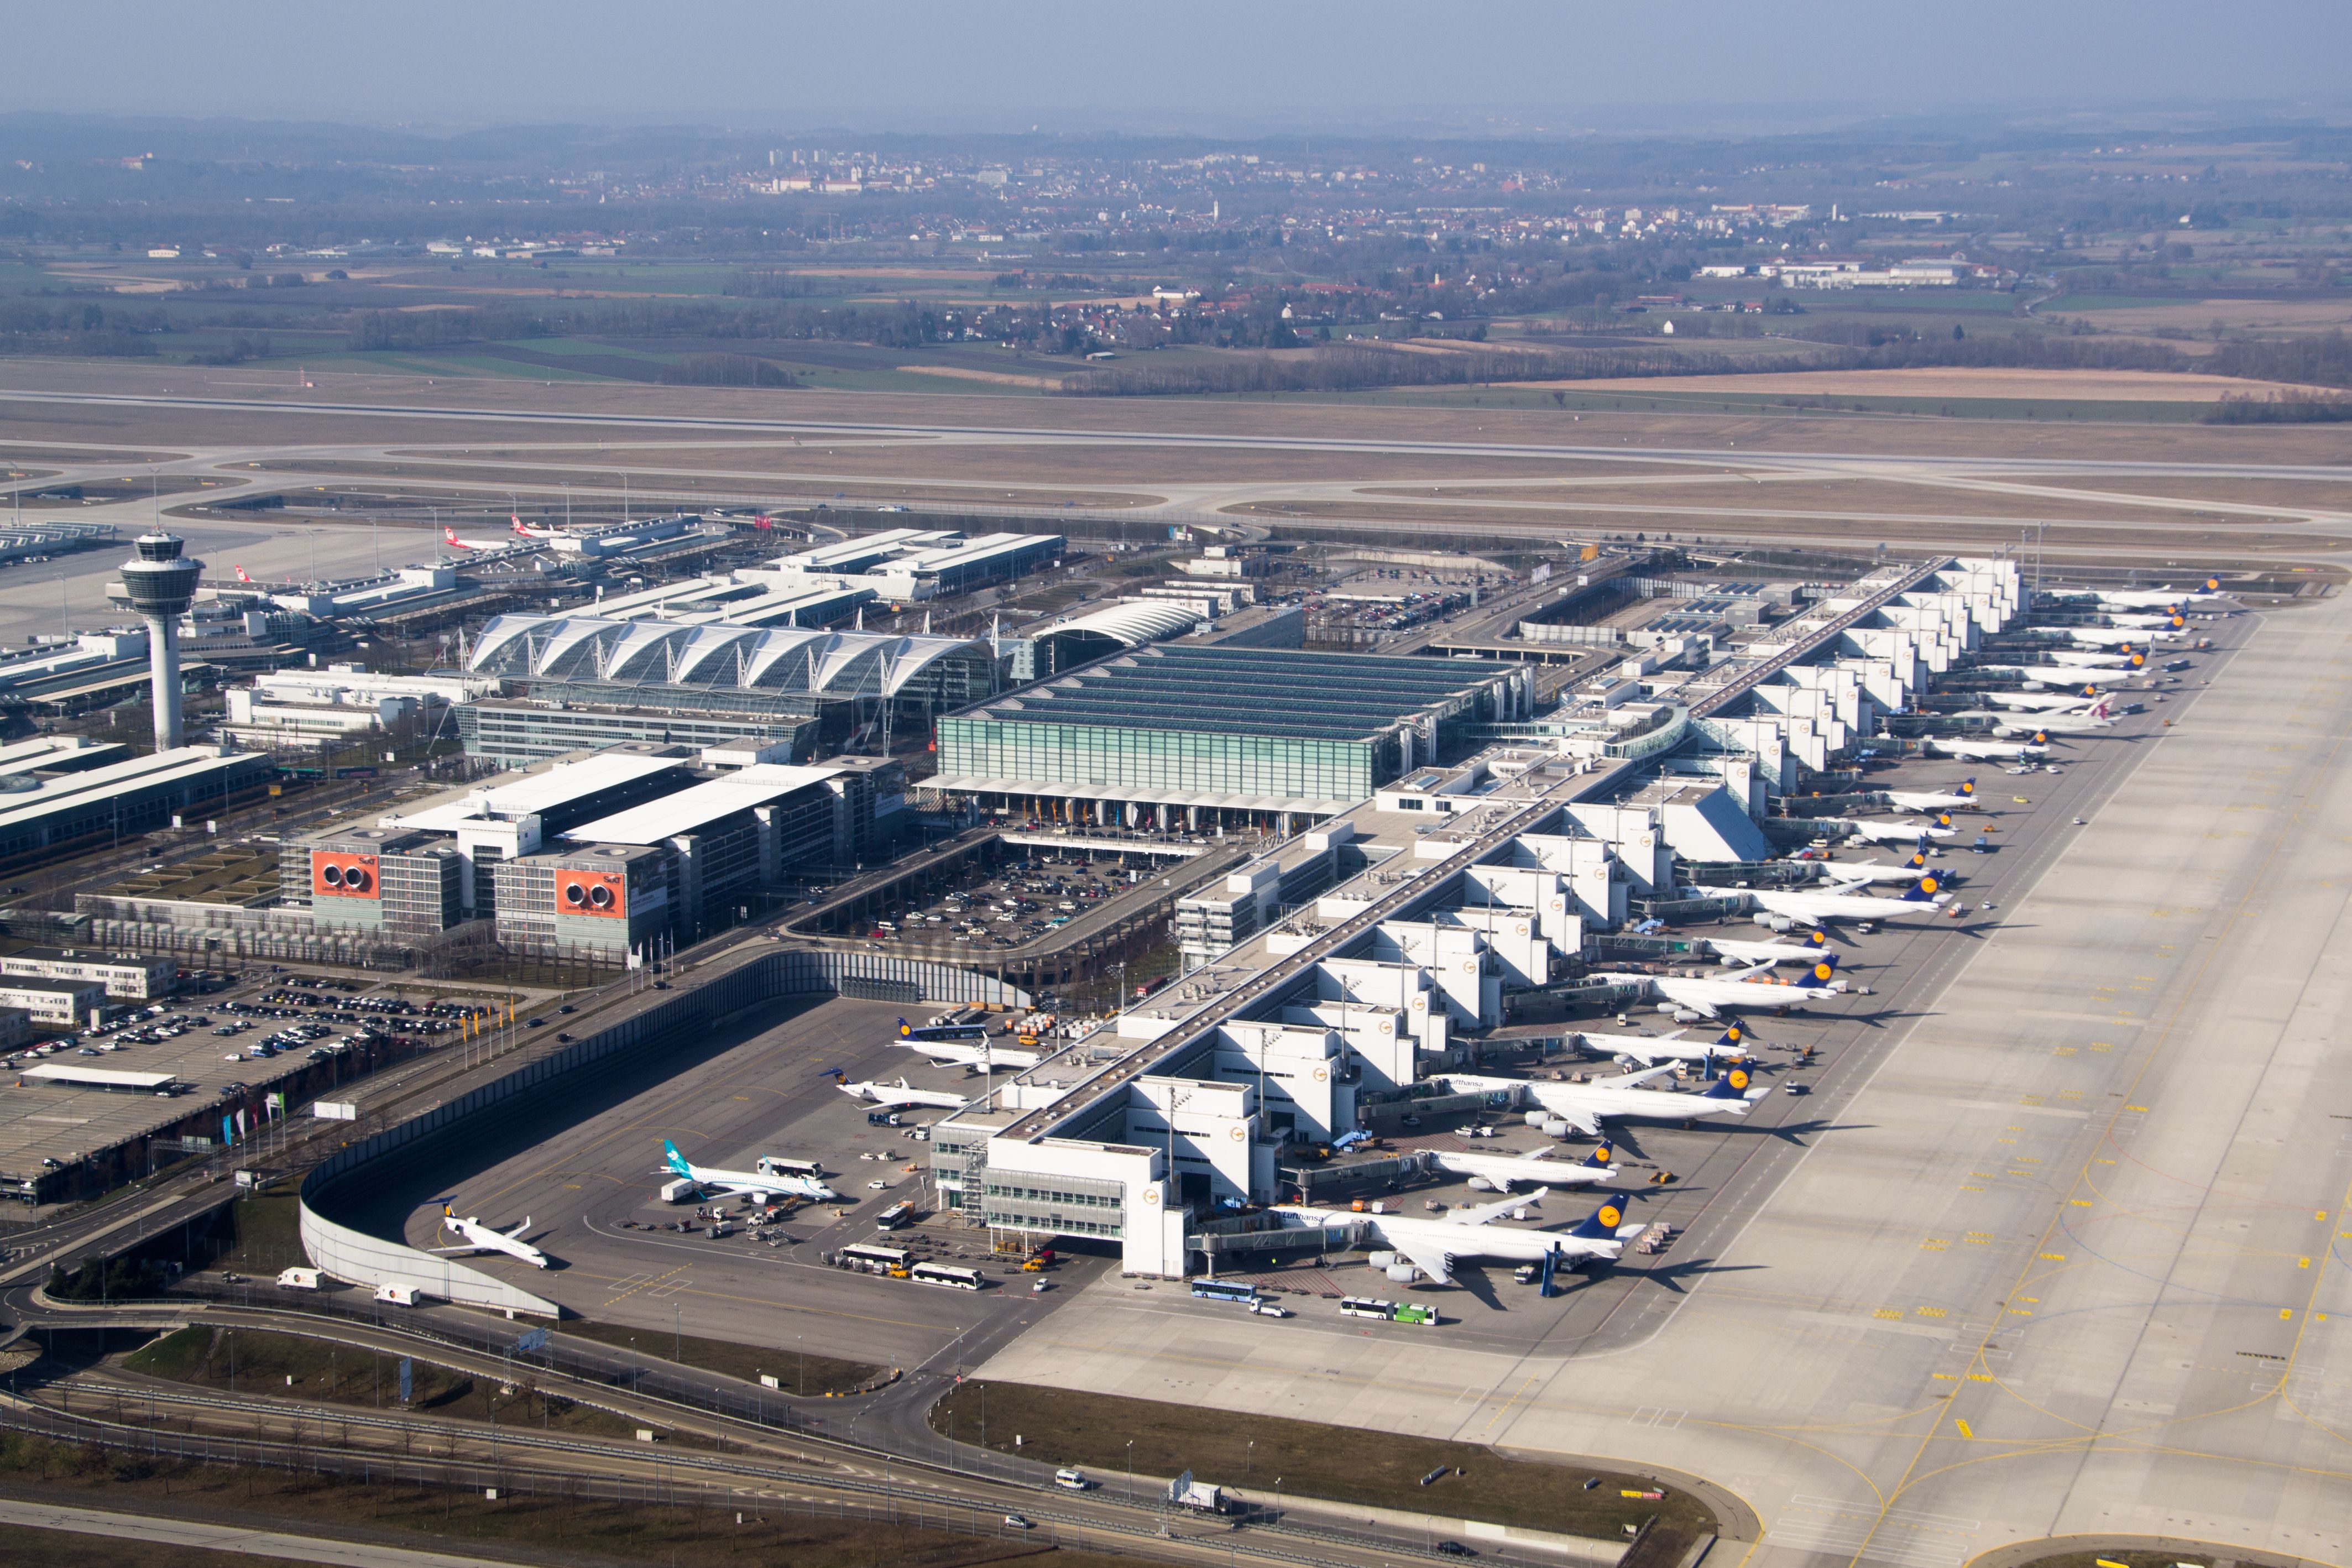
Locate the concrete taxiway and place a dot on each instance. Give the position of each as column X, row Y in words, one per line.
column 2066, row 1259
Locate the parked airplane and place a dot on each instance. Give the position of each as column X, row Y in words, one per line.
column 449, row 537
column 1928, row 800
column 2158, row 598
column 1844, row 903
column 1649, row 1050
column 757, row 1186
column 1775, row 951
column 1907, row 832
column 1432, row 1246
column 1977, row 751
column 518, row 526
column 477, row 1237
column 901, row 1095
column 1498, row 1172
column 2037, row 677
column 1859, row 872
column 960, row 1053
column 2041, row 726
column 240, row 574
column 941, row 1031
column 2084, row 657
column 2171, row 619
column 2123, row 639
column 1753, row 987
column 1584, row 1106
column 2037, row 701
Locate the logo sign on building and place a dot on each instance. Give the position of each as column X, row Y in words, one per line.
column 338, row 875
column 591, row 893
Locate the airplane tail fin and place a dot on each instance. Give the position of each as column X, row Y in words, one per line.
column 676, row 1161
column 2041, row 738
column 1824, row 971
column 2103, row 708
column 1967, row 786
column 1732, row 1084
column 1733, row 1041
column 1602, row 1226
column 1923, row 891
column 905, row 1030
column 1600, row 1157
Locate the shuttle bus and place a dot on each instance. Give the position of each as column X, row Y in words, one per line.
column 872, row 1259
column 1225, row 1290
column 954, row 1278
column 894, row 1216
column 770, row 1165
column 1388, row 1311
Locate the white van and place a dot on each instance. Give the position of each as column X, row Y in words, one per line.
column 398, row 1293
column 1072, row 1480
column 299, row 1278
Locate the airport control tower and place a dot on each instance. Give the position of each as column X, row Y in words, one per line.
column 163, row 585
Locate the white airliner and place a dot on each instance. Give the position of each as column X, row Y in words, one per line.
column 1500, row 1173
column 975, row 1054
column 2123, row 639
column 1913, row 800
column 1774, row 952
column 2041, row 726
column 2086, row 658
column 1649, row 1050
column 757, row 1186
column 2042, row 702
column 2157, row 598
column 1740, row 990
column 2168, row 619
column 1432, row 1246
column 901, row 1095
column 1879, row 831
column 1584, row 1106
column 1909, row 870
column 516, row 525
column 1977, row 751
column 449, row 537
column 2038, row 676
column 1844, row 903
column 477, row 1237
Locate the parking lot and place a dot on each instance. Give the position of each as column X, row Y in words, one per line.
column 227, row 1042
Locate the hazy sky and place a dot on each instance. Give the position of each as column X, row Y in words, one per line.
column 1197, row 64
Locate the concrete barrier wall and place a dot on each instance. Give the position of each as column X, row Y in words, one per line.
column 352, row 1256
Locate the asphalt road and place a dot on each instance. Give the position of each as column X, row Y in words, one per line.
column 149, row 1530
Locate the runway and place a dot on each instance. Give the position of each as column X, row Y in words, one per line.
column 2069, row 1260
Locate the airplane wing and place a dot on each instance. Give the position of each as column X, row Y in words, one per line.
column 1430, row 1259
column 1680, row 998
column 1635, row 1080
column 1486, row 1212
column 515, row 1233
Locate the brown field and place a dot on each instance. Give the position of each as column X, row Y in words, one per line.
column 993, row 377
column 2282, row 316
column 1959, row 381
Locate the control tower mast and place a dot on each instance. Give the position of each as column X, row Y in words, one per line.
column 161, row 585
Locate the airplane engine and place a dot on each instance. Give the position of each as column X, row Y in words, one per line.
column 1402, row 1273
column 1481, row 1184
column 1670, row 1008
column 1382, row 1260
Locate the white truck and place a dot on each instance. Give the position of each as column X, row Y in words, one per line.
column 298, row 1278
column 398, row 1293
column 1186, row 1492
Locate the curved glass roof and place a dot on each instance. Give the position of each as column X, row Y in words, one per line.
column 775, row 659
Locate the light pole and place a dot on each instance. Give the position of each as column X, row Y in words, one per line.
column 1130, row 1469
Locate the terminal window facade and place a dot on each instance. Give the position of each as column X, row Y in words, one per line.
column 1074, row 1206
column 1158, row 761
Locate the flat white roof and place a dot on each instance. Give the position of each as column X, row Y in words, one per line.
column 530, row 792
column 96, row 1077
column 700, row 807
column 114, row 778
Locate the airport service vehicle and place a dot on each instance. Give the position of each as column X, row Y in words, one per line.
column 771, row 1166
column 1266, row 1309
column 1953, row 800
column 1843, row 902
column 903, row 1095
column 945, row 1275
column 1755, row 987
column 1585, row 1106
column 398, row 1293
column 298, row 1279
column 1432, row 1246
column 983, row 1055
column 473, row 1236
column 1735, row 951
column 1186, row 1492
column 1903, row 832
column 868, row 1258
column 1388, row 1311
column 1224, row 1290
column 769, row 1181
column 894, row 1216
column 1977, row 751
column 1499, row 1172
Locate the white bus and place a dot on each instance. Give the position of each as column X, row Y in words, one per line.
column 771, row 1166
column 1365, row 1307
column 872, row 1259
column 954, row 1278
